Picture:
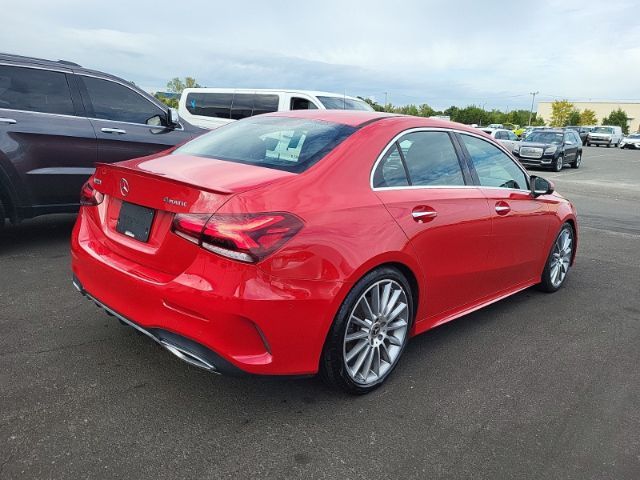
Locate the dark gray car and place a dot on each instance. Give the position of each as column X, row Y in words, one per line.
column 58, row 119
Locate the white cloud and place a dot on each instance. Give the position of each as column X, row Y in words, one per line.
column 436, row 52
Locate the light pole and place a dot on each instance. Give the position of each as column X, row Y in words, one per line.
column 533, row 99
column 386, row 99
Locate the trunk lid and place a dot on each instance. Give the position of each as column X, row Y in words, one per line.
column 167, row 184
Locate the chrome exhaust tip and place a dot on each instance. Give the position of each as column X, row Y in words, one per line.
column 188, row 357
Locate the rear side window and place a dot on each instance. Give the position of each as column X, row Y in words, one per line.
column 431, row 159
column 391, row 171
column 264, row 103
column 298, row 103
column 112, row 101
column 289, row 144
column 494, row 167
column 344, row 103
column 35, row 90
column 217, row 105
column 229, row 105
column 242, row 106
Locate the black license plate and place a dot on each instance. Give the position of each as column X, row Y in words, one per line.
column 135, row 221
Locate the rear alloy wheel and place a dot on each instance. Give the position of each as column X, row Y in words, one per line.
column 576, row 163
column 559, row 261
column 559, row 163
column 370, row 332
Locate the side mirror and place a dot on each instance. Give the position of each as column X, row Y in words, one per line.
column 173, row 119
column 540, row 186
column 568, row 142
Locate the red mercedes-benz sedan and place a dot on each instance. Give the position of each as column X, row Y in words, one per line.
column 316, row 241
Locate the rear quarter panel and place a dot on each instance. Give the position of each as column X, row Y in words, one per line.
column 347, row 230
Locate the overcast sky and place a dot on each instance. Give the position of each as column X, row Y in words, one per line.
column 444, row 53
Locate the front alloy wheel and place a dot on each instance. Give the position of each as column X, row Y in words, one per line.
column 369, row 333
column 559, row 163
column 576, row 163
column 559, row 261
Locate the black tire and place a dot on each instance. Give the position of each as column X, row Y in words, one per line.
column 576, row 163
column 3, row 214
column 332, row 364
column 546, row 283
column 558, row 164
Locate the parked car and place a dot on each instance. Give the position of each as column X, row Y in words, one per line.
column 583, row 132
column 550, row 148
column 528, row 130
column 505, row 137
column 609, row 135
column 58, row 119
column 316, row 241
column 631, row 141
column 213, row 107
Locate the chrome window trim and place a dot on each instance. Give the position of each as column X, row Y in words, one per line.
column 36, row 67
column 92, row 118
column 439, row 129
column 45, row 113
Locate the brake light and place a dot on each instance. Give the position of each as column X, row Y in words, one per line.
column 246, row 237
column 89, row 196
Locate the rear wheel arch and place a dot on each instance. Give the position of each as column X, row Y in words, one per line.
column 331, row 362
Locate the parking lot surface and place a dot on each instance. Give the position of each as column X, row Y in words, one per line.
column 535, row 386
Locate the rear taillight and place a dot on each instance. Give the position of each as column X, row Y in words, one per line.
column 89, row 196
column 248, row 237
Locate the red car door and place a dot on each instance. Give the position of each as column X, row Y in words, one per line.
column 520, row 222
column 448, row 223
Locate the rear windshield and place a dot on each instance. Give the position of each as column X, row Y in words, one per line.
column 602, row 130
column 290, row 144
column 344, row 103
column 545, row 137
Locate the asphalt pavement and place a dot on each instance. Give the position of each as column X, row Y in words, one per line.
column 536, row 386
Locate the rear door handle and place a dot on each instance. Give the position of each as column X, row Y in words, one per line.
column 423, row 214
column 118, row 131
column 502, row 208
column 9, row 121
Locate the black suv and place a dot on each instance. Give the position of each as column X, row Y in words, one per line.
column 550, row 148
column 58, row 119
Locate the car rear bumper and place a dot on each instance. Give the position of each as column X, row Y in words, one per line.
column 221, row 315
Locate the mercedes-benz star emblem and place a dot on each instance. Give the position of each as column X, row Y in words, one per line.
column 124, row 187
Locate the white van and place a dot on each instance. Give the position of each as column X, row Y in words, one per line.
column 213, row 107
column 605, row 135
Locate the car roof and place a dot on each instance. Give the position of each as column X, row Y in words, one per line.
column 314, row 93
column 358, row 118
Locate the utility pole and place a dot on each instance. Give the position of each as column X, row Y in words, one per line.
column 386, row 99
column 533, row 99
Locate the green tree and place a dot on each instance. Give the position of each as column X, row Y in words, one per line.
column 376, row 106
column 574, row 118
column 588, row 117
column 170, row 102
column 560, row 112
column 425, row 110
column 537, row 121
column 175, row 85
column 618, row 117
